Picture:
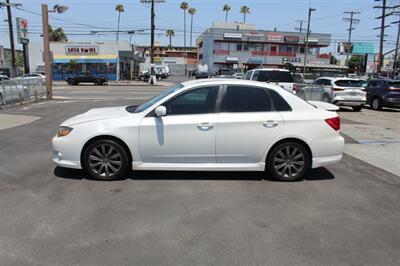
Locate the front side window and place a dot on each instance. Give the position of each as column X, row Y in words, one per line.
column 255, row 76
column 245, row 99
column 196, row 101
column 248, row 75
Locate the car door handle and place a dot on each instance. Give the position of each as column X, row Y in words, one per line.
column 205, row 126
column 270, row 123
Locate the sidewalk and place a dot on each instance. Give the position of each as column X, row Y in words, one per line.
column 125, row 83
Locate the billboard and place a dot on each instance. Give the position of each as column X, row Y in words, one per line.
column 22, row 30
column 345, row 48
column 363, row 48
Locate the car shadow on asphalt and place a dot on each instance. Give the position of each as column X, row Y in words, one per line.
column 318, row 174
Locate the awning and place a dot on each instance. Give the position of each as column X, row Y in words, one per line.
column 320, row 66
column 85, row 58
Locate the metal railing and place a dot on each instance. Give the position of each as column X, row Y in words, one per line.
column 21, row 90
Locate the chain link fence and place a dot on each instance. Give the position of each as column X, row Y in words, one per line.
column 21, row 90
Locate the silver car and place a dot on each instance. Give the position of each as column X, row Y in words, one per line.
column 339, row 91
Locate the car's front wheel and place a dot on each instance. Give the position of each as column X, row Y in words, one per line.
column 106, row 159
column 376, row 104
column 288, row 161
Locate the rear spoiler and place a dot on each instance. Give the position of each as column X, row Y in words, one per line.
column 324, row 105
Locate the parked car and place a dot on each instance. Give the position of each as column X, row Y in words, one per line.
column 383, row 93
column 339, row 91
column 34, row 76
column 11, row 91
column 203, row 75
column 280, row 77
column 261, row 127
column 238, row 75
column 86, row 77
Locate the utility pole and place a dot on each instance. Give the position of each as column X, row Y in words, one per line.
column 384, row 7
column 46, row 51
column 152, row 28
column 397, row 41
column 12, row 45
column 351, row 21
column 300, row 28
column 310, row 10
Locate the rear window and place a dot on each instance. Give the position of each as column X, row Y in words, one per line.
column 395, row 84
column 349, row 83
column 275, row 76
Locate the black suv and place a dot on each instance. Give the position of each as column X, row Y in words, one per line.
column 383, row 93
column 86, row 77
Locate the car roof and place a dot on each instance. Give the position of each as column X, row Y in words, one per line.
column 271, row 69
column 339, row 78
column 227, row 81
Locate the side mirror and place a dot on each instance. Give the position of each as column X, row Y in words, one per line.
column 160, row 111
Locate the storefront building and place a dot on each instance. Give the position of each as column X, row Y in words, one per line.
column 242, row 46
column 104, row 59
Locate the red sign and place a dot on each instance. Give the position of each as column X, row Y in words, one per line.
column 275, row 37
column 291, row 38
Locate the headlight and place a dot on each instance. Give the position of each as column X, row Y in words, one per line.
column 63, row 131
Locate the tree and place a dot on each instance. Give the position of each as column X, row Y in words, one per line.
column 72, row 65
column 192, row 11
column 119, row 8
column 57, row 35
column 170, row 33
column 244, row 10
column 356, row 63
column 184, row 6
column 226, row 9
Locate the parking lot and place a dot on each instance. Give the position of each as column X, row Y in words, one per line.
column 348, row 213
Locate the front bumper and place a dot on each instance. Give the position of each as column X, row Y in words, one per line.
column 65, row 153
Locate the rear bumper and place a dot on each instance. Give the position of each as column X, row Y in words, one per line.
column 324, row 161
column 392, row 102
column 348, row 103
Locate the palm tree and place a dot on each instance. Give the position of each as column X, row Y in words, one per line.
column 184, row 7
column 245, row 10
column 170, row 33
column 226, row 9
column 119, row 8
column 192, row 11
column 57, row 35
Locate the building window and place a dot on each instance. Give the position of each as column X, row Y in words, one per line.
column 239, row 47
column 200, row 56
column 200, row 44
column 245, row 47
column 302, row 50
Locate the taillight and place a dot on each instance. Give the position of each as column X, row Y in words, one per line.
column 337, row 89
column 294, row 88
column 334, row 122
column 392, row 89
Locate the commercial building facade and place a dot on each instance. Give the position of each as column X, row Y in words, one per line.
column 108, row 59
column 242, row 46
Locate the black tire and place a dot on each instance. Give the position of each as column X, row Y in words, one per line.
column 98, row 82
column 288, row 161
column 106, row 160
column 376, row 104
column 1, row 99
column 357, row 108
column 71, row 82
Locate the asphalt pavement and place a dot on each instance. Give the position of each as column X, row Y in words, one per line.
column 345, row 214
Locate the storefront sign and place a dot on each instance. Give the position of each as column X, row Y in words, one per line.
column 312, row 40
column 291, row 60
column 232, row 59
column 293, row 39
column 253, row 35
column 228, row 35
column 255, row 61
column 22, row 30
column 275, row 37
column 81, row 49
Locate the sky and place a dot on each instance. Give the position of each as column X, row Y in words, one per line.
column 85, row 16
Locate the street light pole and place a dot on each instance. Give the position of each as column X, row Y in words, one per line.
column 46, row 45
column 12, row 45
column 306, row 40
column 46, row 52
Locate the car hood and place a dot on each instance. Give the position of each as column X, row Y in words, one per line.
column 96, row 115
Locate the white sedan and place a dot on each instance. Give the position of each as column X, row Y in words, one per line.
column 204, row 125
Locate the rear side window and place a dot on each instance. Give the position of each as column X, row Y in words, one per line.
column 248, row 75
column 280, row 103
column 275, row 76
column 348, row 83
column 255, row 75
column 246, row 99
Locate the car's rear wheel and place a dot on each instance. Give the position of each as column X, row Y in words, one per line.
column 357, row 108
column 106, row 160
column 288, row 161
column 98, row 82
column 71, row 82
column 326, row 98
column 376, row 104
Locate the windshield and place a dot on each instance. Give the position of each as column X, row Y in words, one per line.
column 349, row 83
column 155, row 99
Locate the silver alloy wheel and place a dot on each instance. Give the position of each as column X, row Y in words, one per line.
column 289, row 161
column 375, row 104
column 105, row 160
